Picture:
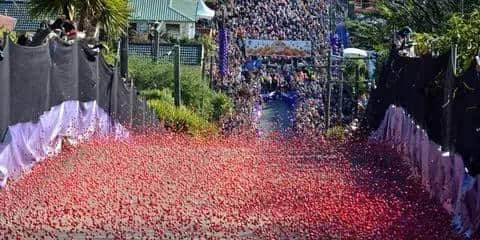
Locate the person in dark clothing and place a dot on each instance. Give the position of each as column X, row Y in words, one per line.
column 23, row 40
column 41, row 35
column 69, row 28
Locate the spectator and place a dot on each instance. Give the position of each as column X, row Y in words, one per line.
column 273, row 20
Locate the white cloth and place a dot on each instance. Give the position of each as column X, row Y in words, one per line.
column 31, row 142
column 443, row 176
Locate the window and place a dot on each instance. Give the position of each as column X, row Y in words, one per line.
column 173, row 28
column 133, row 26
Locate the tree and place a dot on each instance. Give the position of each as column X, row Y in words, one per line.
column 112, row 15
column 462, row 30
column 447, row 21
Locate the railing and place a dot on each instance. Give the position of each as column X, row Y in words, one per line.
column 190, row 54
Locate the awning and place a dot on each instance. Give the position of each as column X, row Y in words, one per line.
column 203, row 12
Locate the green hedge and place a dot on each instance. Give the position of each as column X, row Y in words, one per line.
column 336, row 133
column 182, row 119
column 222, row 105
column 156, row 94
column 156, row 81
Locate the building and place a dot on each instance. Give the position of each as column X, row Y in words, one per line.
column 177, row 18
column 18, row 9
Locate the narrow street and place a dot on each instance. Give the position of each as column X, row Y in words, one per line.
column 276, row 115
column 171, row 186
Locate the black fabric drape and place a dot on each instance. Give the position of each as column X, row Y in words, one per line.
column 34, row 79
column 416, row 84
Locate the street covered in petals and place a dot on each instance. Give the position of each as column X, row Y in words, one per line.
column 173, row 186
column 240, row 119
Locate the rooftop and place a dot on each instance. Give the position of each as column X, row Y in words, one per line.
column 164, row 10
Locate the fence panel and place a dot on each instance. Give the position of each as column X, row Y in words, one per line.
column 189, row 54
column 417, row 85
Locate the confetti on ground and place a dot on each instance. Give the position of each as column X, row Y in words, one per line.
column 173, row 186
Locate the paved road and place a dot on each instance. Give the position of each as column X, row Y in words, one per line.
column 276, row 116
column 171, row 186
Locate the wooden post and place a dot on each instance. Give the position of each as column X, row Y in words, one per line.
column 447, row 108
column 204, row 57
column 156, row 43
column 329, row 90
column 176, row 73
column 132, row 98
column 331, row 21
column 340, row 100
column 357, row 89
column 212, row 59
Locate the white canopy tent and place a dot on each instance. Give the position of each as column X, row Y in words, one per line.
column 203, row 11
column 354, row 53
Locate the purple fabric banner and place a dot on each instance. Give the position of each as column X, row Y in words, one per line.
column 223, row 52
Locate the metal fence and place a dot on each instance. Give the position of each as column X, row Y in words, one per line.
column 190, row 54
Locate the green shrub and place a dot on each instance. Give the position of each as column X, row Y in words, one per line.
column 110, row 57
column 337, row 132
column 196, row 93
column 222, row 106
column 182, row 119
column 148, row 74
column 156, row 94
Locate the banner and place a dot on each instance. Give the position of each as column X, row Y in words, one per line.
column 8, row 23
column 254, row 47
column 223, row 51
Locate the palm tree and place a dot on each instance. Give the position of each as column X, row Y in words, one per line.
column 112, row 15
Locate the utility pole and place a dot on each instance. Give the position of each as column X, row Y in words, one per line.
column 329, row 70
column 176, row 74
column 156, row 40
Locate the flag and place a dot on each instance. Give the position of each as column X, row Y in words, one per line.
column 223, row 51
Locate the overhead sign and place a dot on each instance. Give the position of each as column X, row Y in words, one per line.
column 254, row 47
column 7, row 22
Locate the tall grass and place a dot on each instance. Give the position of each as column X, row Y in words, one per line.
column 157, row 82
column 182, row 119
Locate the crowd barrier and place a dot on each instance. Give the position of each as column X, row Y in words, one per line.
column 190, row 54
column 55, row 92
column 445, row 105
column 442, row 173
column 421, row 107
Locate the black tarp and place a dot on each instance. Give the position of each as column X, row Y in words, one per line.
column 34, row 79
column 467, row 118
column 416, row 84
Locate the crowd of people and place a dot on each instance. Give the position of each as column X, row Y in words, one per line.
column 274, row 20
